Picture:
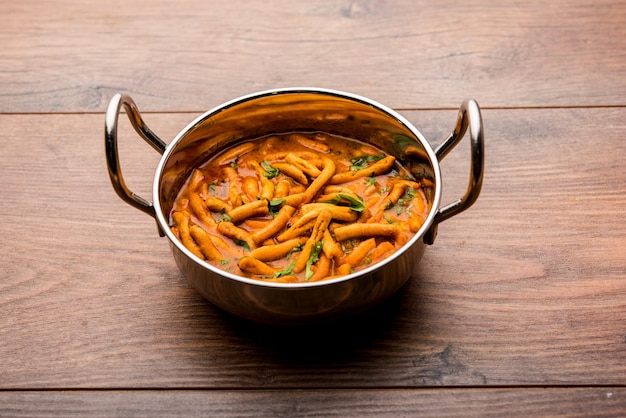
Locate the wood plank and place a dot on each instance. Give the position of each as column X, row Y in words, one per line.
column 576, row 402
column 526, row 288
column 65, row 56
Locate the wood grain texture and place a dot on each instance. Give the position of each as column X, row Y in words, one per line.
column 525, row 288
column 577, row 402
column 67, row 56
column 517, row 309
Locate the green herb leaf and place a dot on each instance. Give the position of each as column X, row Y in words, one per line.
column 213, row 186
column 234, row 164
column 242, row 243
column 286, row 271
column 270, row 172
column 293, row 250
column 274, row 205
column 359, row 163
column 223, row 262
column 399, row 207
column 371, row 180
column 408, row 196
column 224, row 217
column 354, row 204
column 313, row 258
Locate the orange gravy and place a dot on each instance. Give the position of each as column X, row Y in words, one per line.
column 299, row 207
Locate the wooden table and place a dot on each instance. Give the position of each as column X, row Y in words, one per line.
column 518, row 308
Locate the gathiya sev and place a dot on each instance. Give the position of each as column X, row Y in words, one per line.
column 299, row 207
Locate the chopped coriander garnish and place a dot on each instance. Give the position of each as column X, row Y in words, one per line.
column 359, row 163
column 293, row 250
column 242, row 243
column 224, row 217
column 408, row 196
column 315, row 256
column 270, row 172
column 371, row 180
column 355, row 205
column 213, row 186
column 274, row 206
column 234, row 164
column 276, row 203
column 223, row 262
column 286, row 271
column 399, row 207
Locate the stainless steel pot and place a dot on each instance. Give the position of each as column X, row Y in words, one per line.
column 281, row 111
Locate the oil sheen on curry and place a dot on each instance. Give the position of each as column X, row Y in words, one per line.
column 299, row 207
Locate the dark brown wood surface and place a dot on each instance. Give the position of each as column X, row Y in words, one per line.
column 73, row 56
column 518, row 308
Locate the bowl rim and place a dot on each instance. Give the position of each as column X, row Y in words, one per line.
column 164, row 224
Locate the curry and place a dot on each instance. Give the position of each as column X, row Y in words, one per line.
column 299, row 207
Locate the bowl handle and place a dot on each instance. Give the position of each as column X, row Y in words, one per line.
column 112, row 157
column 469, row 116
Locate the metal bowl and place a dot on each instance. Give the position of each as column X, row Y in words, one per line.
column 282, row 111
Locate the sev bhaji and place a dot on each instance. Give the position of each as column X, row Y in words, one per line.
column 299, row 207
